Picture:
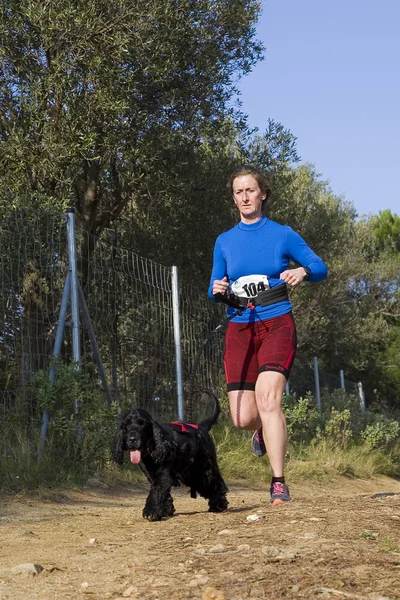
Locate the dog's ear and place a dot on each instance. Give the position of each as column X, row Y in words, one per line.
column 117, row 449
column 163, row 448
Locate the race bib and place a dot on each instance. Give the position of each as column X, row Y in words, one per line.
column 249, row 286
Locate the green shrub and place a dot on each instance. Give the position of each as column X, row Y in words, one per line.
column 81, row 424
column 337, row 429
column 382, row 433
column 340, row 400
column 78, row 437
column 302, row 418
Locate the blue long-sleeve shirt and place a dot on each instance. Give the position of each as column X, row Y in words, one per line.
column 262, row 248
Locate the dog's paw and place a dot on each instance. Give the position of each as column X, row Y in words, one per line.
column 151, row 514
column 218, row 505
column 155, row 516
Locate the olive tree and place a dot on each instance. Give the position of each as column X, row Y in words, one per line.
column 94, row 93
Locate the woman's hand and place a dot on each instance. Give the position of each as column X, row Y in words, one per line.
column 220, row 286
column 294, row 276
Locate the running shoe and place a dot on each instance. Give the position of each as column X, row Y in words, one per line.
column 257, row 443
column 279, row 493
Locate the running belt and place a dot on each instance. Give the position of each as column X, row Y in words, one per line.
column 266, row 297
column 273, row 295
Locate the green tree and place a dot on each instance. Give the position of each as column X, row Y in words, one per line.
column 386, row 370
column 387, row 230
column 187, row 204
column 93, row 93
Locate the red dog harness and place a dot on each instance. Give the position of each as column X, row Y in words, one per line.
column 182, row 425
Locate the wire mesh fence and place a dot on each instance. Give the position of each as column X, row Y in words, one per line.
column 329, row 382
column 315, row 380
column 129, row 299
column 131, row 305
column 31, row 278
column 303, row 380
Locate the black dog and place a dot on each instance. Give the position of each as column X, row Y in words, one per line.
column 171, row 454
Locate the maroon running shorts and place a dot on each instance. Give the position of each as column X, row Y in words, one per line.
column 252, row 348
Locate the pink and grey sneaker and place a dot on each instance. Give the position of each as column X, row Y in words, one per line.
column 279, row 493
column 257, row 444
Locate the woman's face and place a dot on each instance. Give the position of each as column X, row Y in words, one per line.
column 248, row 197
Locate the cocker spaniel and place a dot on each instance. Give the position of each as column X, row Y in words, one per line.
column 172, row 454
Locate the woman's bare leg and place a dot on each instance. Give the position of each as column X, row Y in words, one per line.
column 263, row 408
column 269, row 391
column 244, row 409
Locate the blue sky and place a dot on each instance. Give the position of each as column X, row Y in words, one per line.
column 331, row 75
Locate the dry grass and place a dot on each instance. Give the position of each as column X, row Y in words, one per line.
column 320, row 461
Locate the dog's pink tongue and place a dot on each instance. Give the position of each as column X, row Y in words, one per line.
column 135, row 456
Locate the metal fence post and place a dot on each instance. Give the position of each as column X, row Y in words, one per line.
column 56, row 354
column 76, row 340
column 317, row 388
column 177, row 341
column 362, row 397
column 342, row 385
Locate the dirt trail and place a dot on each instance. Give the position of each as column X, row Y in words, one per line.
column 334, row 541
